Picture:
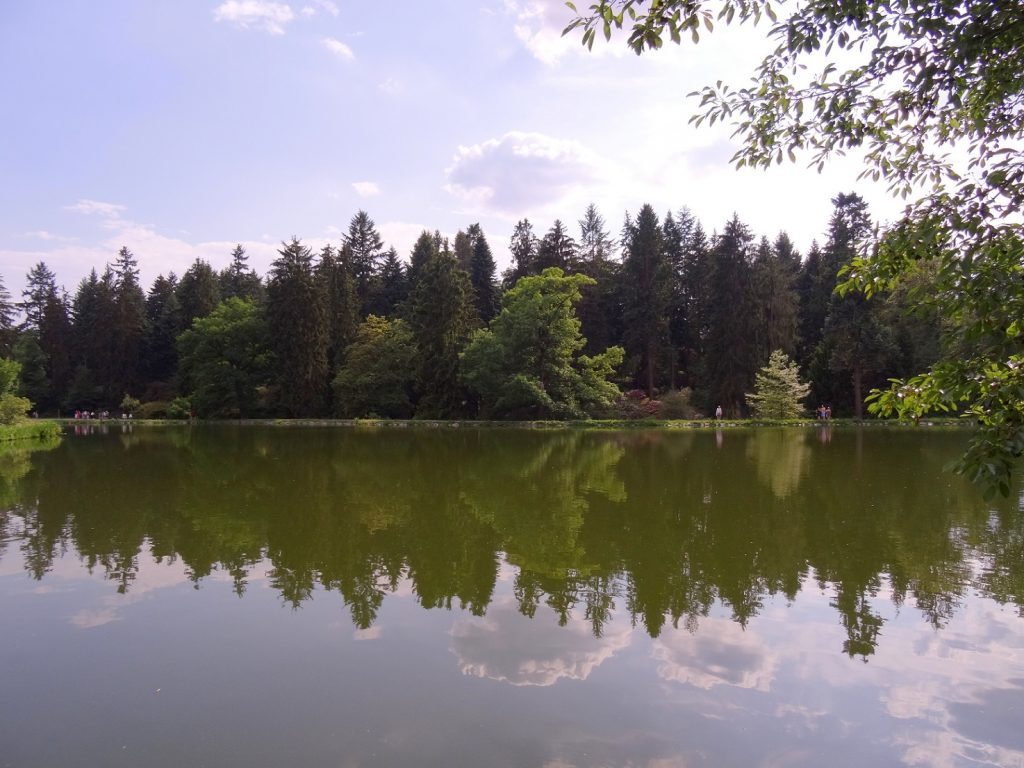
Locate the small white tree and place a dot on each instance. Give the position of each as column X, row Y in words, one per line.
column 778, row 389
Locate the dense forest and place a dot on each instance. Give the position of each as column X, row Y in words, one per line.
column 664, row 318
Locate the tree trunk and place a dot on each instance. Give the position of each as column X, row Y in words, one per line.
column 858, row 399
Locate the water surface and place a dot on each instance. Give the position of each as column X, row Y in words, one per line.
column 385, row 597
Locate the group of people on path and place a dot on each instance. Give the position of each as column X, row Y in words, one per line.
column 823, row 412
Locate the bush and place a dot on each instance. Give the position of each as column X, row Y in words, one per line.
column 676, row 405
column 13, row 408
column 180, row 408
column 157, row 409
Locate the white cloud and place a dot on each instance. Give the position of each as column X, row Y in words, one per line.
column 326, row 6
column 520, row 173
column 391, row 86
column 338, row 48
column 511, row 648
column 42, row 234
column 721, row 653
column 268, row 16
column 366, row 188
column 90, row 207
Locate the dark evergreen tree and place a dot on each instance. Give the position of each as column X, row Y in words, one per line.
column 556, row 249
column 367, row 250
column 129, row 326
column 239, row 280
column 297, row 316
column 598, row 311
column 482, row 272
column 776, row 304
column 393, row 286
column 198, row 292
column 443, row 316
column 94, row 310
column 7, row 314
column 427, row 246
column 523, row 249
column 676, row 234
column 334, row 272
column 730, row 346
column 811, row 318
column 163, row 324
column 462, row 247
column 646, row 285
column 40, row 286
column 696, row 282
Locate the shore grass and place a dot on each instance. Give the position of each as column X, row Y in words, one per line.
column 30, row 430
column 588, row 424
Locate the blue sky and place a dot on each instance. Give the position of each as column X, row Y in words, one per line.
column 180, row 128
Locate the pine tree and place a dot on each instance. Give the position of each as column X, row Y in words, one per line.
column 599, row 312
column 393, row 288
column 129, row 325
column 482, row 275
column 7, row 328
column 198, row 292
column 443, row 316
column 730, row 345
column 367, row 250
column 523, row 249
column 427, row 246
column 297, row 316
column 646, row 286
column 775, row 301
column 163, row 324
column 238, row 280
column 778, row 391
column 40, row 286
column 556, row 249
column 462, row 248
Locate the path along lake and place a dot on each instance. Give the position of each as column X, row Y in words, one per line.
column 301, row 596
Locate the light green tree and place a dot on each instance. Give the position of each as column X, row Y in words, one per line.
column 377, row 378
column 527, row 363
column 778, row 390
column 12, row 407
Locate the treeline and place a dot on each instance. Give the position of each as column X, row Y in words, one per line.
column 356, row 331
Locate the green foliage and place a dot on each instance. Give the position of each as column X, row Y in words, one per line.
column 921, row 78
column 154, row 409
column 527, row 364
column 778, row 391
column 13, row 408
column 377, row 376
column 225, row 358
column 180, row 408
column 49, row 432
column 677, row 405
column 10, row 371
column 129, row 404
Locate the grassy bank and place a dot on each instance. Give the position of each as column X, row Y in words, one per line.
column 30, row 430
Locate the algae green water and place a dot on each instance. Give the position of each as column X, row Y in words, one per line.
column 252, row 596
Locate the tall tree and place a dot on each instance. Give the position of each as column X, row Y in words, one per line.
column 443, row 316
column 334, row 272
column 163, row 324
column 598, row 309
column 775, row 300
column 238, row 279
column 297, row 314
column 482, row 272
column 40, row 285
column 129, row 325
column 377, row 378
column 646, row 286
column 393, row 286
column 523, row 249
column 426, row 247
column 367, row 250
column 730, row 344
column 556, row 249
column 7, row 314
column 198, row 292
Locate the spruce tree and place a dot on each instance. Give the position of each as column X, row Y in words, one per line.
column 443, row 316
column 163, row 324
column 129, row 326
column 40, row 285
column 598, row 309
column 7, row 328
column 556, row 249
column 775, row 301
column 367, row 248
column 297, row 317
column 778, row 391
column 426, row 247
column 238, row 280
column 198, row 292
column 523, row 249
column 646, row 290
column 334, row 273
column 393, row 287
column 482, row 275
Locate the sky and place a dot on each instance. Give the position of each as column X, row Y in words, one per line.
column 179, row 129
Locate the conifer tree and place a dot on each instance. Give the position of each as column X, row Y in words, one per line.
column 238, row 279
column 598, row 309
column 393, row 287
column 523, row 249
column 730, row 345
column 297, row 316
column 443, row 316
column 482, row 275
column 7, row 313
column 367, row 249
column 646, row 295
column 556, row 249
column 163, row 324
column 129, row 325
column 198, row 292
column 40, row 285
column 778, row 391
column 775, row 301
column 426, row 247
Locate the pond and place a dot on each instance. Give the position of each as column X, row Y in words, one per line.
column 261, row 596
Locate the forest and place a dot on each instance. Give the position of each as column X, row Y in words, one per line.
column 663, row 318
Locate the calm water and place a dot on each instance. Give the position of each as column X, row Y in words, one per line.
column 328, row 597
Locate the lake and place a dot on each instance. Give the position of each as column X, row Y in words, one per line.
column 261, row 596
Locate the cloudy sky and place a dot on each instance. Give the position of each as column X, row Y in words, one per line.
column 179, row 129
